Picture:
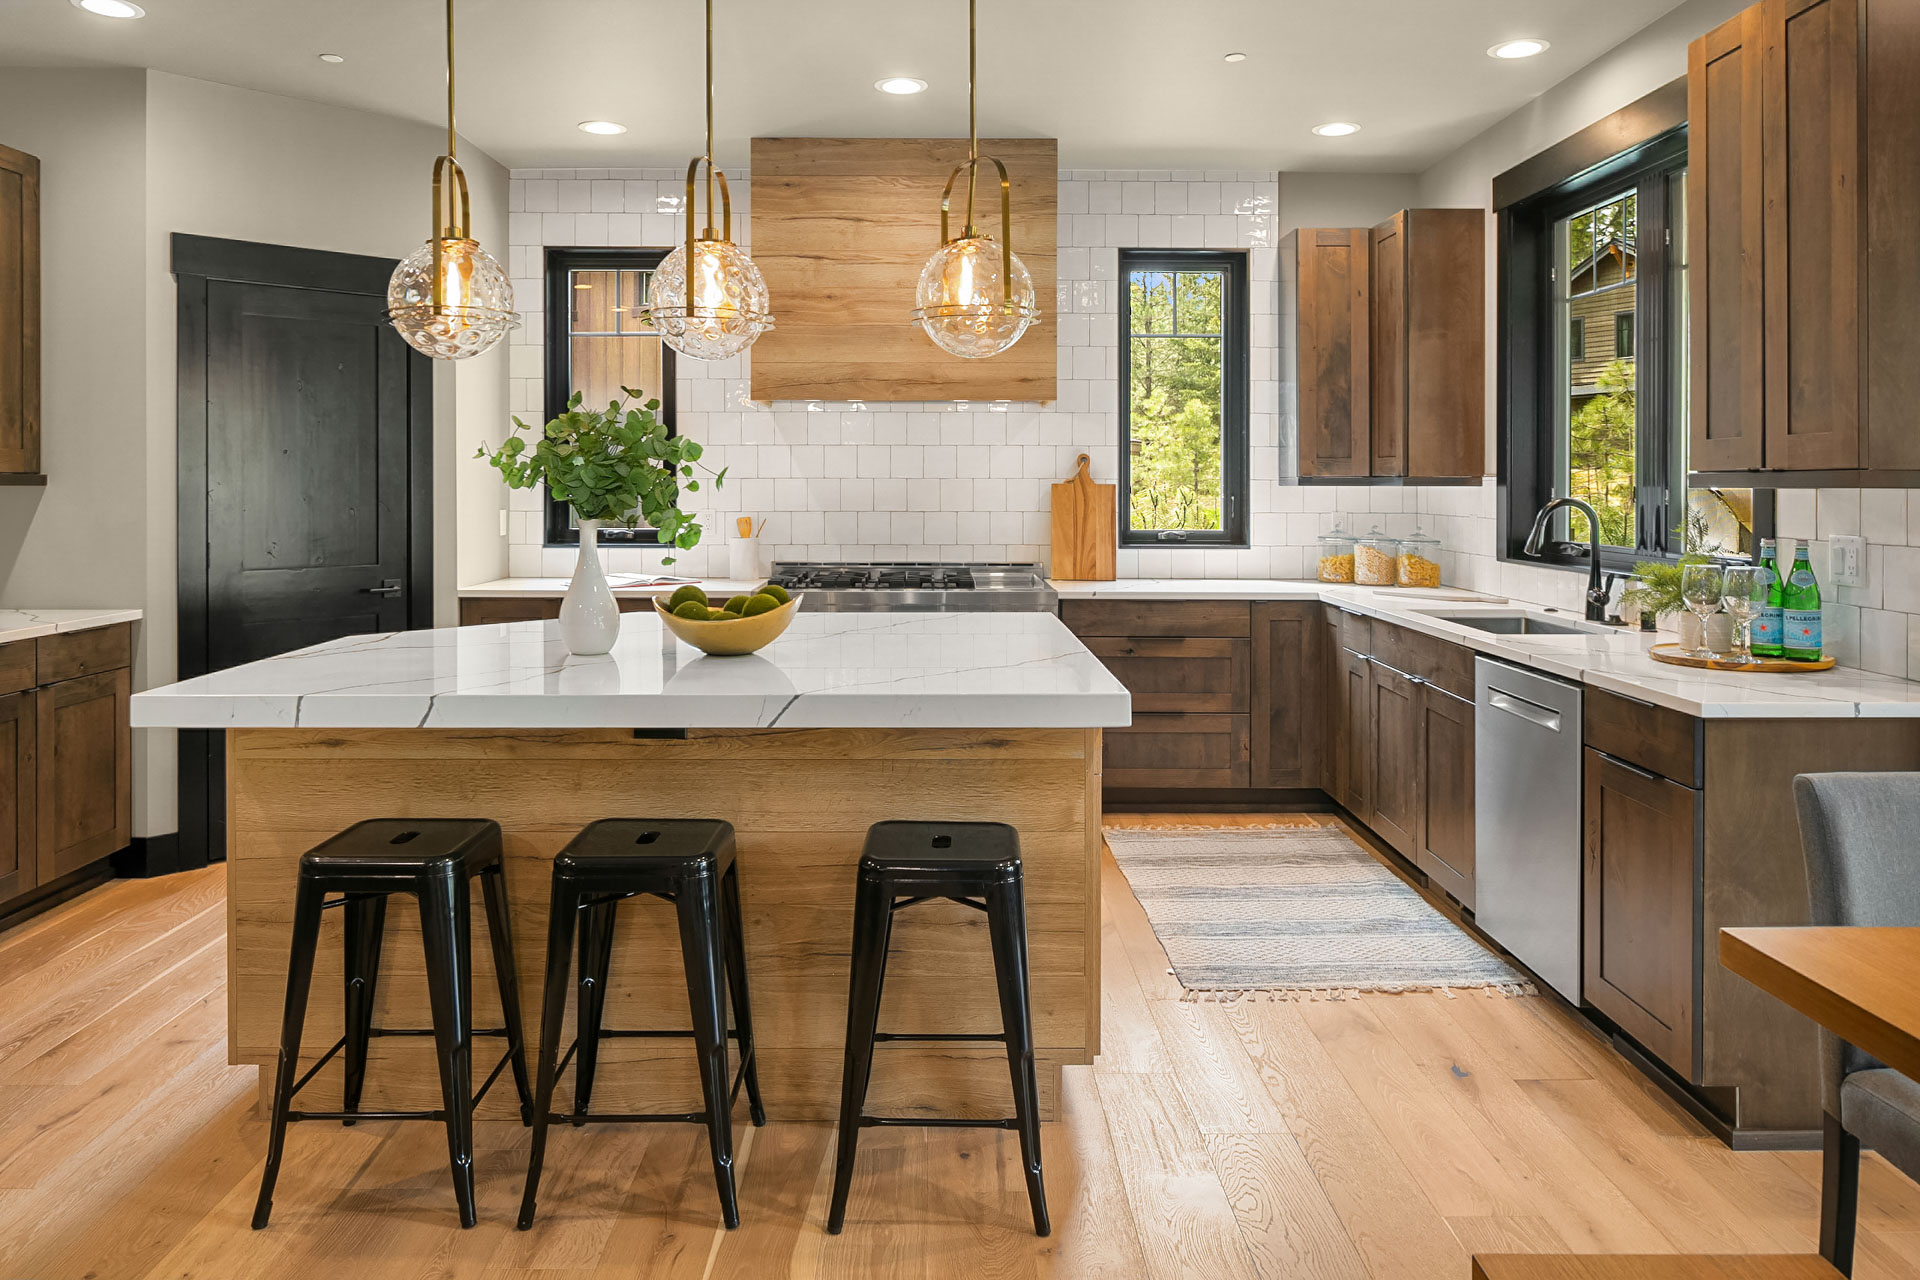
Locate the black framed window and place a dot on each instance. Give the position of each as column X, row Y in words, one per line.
column 1183, row 401
column 1594, row 368
column 597, row 343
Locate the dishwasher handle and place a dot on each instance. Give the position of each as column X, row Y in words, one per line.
column 1533, row 712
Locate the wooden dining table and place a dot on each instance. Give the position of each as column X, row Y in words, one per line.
column 1860, row 982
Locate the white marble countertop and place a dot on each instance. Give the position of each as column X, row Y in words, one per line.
column 30, row 624
column 1614, row 659
column 830, row 670
column 623, row 584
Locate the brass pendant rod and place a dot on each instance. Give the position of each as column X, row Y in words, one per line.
column 709, row 129
column 973, row 126
column 450, row 144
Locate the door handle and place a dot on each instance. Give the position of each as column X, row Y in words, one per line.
column 388, row 587
column 1520, row 707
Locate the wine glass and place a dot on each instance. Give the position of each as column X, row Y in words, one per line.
column 1701, row 589
column 1743, row 593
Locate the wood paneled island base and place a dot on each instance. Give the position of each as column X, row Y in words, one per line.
column 800, row 801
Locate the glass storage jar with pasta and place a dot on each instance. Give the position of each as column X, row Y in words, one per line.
column 1336, row 555
column 1419, row 563
column 1374, row 559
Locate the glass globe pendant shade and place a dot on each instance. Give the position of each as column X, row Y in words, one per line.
column 475, row 307
column 964, row 301
column 716, row 309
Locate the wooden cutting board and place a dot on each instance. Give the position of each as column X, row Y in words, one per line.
column 1083, row 527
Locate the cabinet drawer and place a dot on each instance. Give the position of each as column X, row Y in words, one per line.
column 1178, row 751
column 1356, row 633
column 1156, row 617
column 17, row 666
column 1399, row 648
column 1658, row 738
column 480, row 610
column 1450, row 666
column 1177, row 673
column 83, row 653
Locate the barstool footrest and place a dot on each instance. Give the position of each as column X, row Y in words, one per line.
column 934, row 1122
column 341, row 1043
column 652, row 1117
column 994, row 1037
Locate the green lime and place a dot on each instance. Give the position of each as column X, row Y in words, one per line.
column 736, row 604
column 692, row 610
column 758, row 605
column 778, row 593
column 684, row 594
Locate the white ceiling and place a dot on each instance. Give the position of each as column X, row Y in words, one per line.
column 1121, row 83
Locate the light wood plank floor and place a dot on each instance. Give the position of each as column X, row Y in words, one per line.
column 1389, row 1136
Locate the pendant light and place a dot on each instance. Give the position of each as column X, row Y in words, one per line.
column 724, row 308
column 450, row 299
column 975, row 296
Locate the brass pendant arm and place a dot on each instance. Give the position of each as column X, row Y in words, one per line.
column 970, row 231
column 452, row 217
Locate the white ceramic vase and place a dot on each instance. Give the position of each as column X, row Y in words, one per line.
column 589, row 615
column 1687, row 623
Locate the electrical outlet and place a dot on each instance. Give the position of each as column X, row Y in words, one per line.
column 1847, row 561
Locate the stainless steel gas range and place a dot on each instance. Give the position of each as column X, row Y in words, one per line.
column 923, row 588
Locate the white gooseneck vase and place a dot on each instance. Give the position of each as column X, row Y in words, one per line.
column 589, row 616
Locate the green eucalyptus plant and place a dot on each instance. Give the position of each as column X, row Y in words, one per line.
column 616, row 465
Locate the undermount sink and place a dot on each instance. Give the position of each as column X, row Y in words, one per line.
column 1519, row 624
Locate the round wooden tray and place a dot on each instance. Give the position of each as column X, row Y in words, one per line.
column 1672, row 653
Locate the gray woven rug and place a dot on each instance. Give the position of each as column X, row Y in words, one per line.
column 1299, row 912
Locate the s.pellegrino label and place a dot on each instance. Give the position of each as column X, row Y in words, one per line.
column 1800, row 638
column 1767, row 623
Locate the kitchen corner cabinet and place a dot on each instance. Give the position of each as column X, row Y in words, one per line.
column 66, row 756
column 19, row 317
column 1288, row 697
column 1388, row 330
column 1804, row 166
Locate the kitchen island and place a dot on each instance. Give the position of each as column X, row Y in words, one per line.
column 846, row 720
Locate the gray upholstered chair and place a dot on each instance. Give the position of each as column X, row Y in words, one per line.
column 1861, row 836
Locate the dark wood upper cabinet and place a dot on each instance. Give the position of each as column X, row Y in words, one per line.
column 1429, row 336
column 1804, row 169
column 1327, row 271
column 19, row 313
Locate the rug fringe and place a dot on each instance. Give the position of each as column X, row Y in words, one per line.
column 1314, row 995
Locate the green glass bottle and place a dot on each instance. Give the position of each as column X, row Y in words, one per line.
column 1766, row 623
column 1800, row 638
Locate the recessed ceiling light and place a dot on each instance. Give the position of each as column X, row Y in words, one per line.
column 111, row 8
column 1518, row 48
column 601, row 126
column 1336, row 129
column 1235, row 57
column 900, row 85
column 331, row 57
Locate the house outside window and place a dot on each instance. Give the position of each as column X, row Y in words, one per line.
column 598, row 342
column 1183, row 399
column 1589, row 266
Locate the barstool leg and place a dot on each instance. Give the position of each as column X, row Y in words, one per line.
column 872, row 929
column 306, row 937
column 446, row 931
column 493, row 887
column 701, row 932
column 553, row 1016
column 732, row 922
column 596, row 961
column 1007, row 924
column 366, row 923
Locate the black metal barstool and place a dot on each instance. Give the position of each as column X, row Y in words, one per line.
column 690, row 863
column 976, row 864
column 434, row 860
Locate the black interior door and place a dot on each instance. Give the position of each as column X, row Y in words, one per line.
column 305, row 454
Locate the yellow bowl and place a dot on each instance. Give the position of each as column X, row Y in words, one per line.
column 733, row 637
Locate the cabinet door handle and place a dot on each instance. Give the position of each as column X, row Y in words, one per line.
column 1648, row 774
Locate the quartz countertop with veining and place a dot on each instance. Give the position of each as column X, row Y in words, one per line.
column 30, row 624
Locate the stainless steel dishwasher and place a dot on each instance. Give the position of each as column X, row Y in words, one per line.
column 1527, row 796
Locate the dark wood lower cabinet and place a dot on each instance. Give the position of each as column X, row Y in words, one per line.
column 1444, row 845
column 85, row 753
column 1184, row 674
column 19, row 785
column 1641, row 905
column 476, row 610
column 1288, row 694
column 1354, row 742
column 1394, row 704
column 1163, row 751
